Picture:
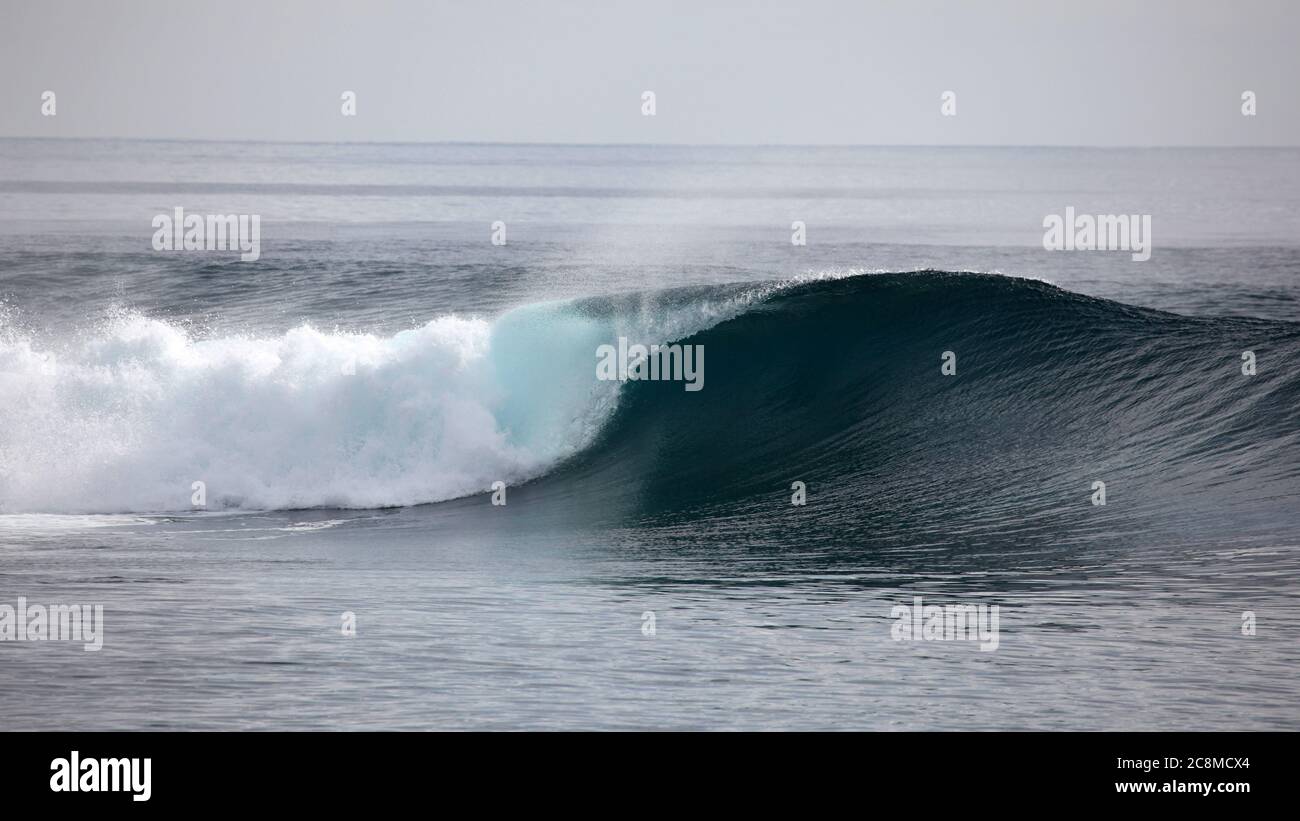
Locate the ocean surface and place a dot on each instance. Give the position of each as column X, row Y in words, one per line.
column 349, row 399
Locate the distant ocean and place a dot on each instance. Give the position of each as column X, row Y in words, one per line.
column 348, row 400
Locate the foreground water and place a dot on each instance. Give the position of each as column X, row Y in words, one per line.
column 383, row 355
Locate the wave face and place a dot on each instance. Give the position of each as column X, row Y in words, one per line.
column 833, row 382
column 838, row 384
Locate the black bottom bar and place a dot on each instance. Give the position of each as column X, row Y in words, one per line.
column 226, row 770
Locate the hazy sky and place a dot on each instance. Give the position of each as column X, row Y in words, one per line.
column 1025, row 72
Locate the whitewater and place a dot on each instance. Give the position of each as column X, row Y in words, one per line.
column 127, row 414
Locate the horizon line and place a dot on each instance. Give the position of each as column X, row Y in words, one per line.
column 563, row 144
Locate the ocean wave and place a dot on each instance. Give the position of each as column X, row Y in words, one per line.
column 829, row 379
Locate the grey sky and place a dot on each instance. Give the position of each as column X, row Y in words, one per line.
column 1025, row 72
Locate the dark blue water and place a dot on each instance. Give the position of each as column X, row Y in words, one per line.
column 349, row 399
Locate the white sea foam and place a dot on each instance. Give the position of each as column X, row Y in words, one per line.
column 127, row 416
column 58, row 523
